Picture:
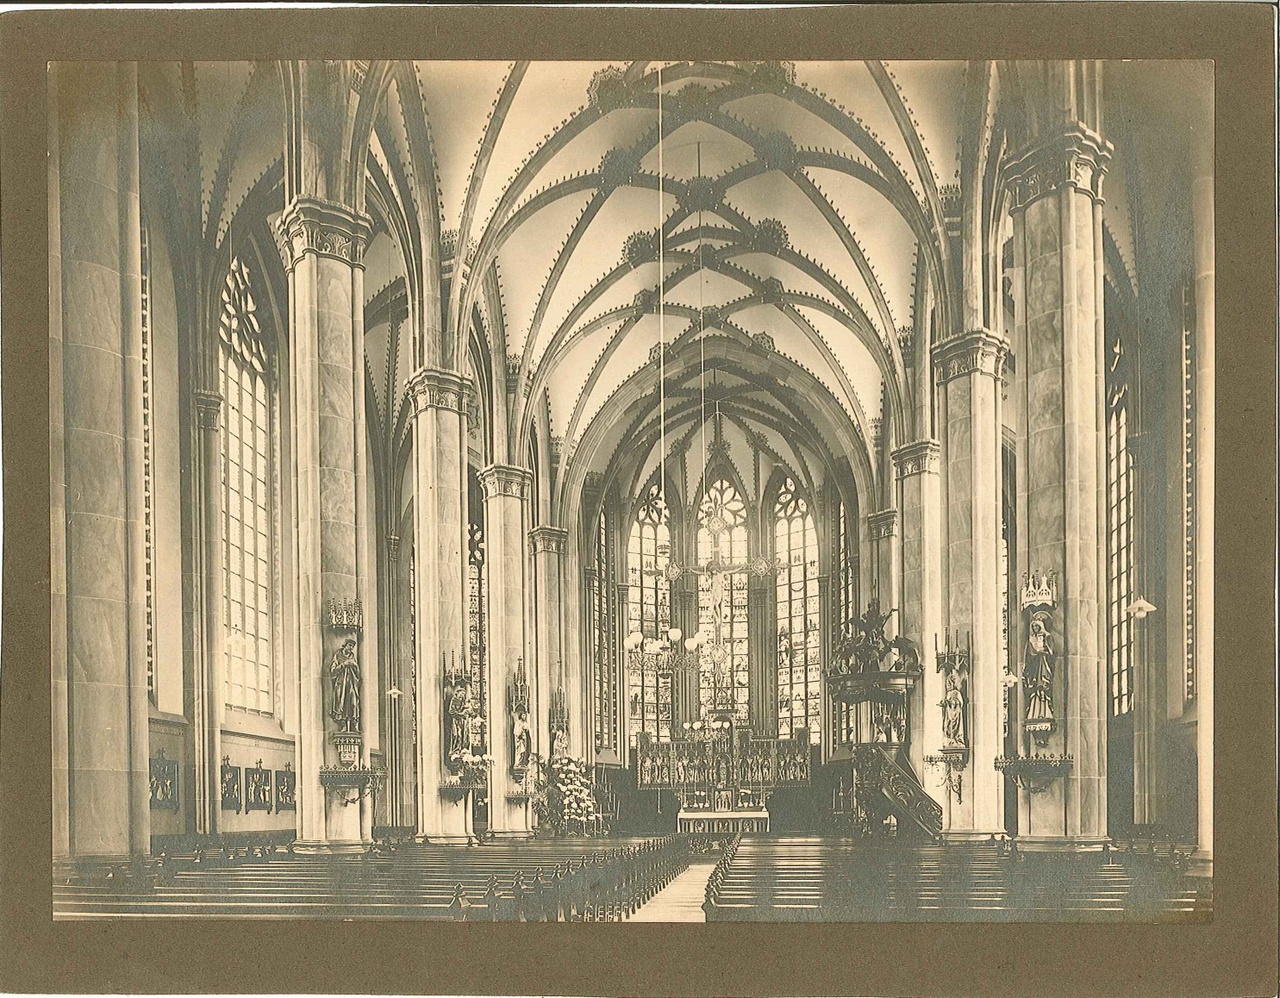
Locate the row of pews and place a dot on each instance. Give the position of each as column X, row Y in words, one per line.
column 813, row 879
column 553, row 880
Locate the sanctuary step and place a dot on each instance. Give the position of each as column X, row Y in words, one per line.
column 801, row 878
column 603, row 879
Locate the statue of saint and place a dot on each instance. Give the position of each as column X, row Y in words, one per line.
column 1037, row 669
column 559, row 743
column 344, row 676
column 455, row 719
column 521, row 741
column 953, row 713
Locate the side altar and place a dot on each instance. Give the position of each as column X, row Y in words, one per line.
column 722, row 776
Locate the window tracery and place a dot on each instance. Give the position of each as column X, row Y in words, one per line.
column 799, row 662
column 649, row 613
column 723, row 686
column 1120, row 540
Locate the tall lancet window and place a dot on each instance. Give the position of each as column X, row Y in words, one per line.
column 477, row 608
column 846, row 611
column 799, row 639
column 249, row 489
column 148, row 462
column 603, row 639
column 649, row 613
column 1188, row 490
column 722, row 603
column 1120, row 542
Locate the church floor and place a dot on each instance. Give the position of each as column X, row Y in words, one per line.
column 681, row 900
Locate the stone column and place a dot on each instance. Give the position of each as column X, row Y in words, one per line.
column 207, row 693
column 883, row 527
column 968, row 369
column 321, row 244
column 506, row 500
column 1203, row 403
column 1057, row 190
column 439, row 436
column 548, row 545
column 100, row 752
column 920, row 613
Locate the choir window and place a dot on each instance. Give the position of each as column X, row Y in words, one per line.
column 799, row 637
column 1188, row 492
column 649, row 613
column 846, row 603
column 1120, row 544
column 148, row 465
column 477, row 608
column 602, row 638
column 722, row 603
column 248, row 499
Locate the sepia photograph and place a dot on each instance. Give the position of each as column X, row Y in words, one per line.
column 650, row 491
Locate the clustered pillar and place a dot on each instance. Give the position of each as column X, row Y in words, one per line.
column 1057, row 255
column 321, row 245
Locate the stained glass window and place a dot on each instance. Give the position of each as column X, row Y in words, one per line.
column 649, row 613
column 1188, row 491
column 799, row 664
column 248, row 498
column 477, row 608
column 603, row 637
column 1120, row 542
column 846, row 611
column 148, row 465
column 722, row 603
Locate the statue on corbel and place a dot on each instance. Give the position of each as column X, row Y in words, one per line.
column 558, row 724
column 955, row 663
column 518, row 710
column 1039, row 658
column 346, row 617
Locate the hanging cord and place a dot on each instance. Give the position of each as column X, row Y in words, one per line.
column 702, row 338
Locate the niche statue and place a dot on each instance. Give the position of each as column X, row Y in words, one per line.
column 344, row 677
column 1037, row 676
column 521, row 742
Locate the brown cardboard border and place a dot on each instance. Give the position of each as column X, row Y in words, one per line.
column 1235, row 954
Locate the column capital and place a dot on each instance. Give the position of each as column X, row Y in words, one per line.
column 883, row 523
column 548, row 540
column 920, row 457
column 505, row 480
column 208, row 408
column 1075, row 157
column 979, row 351
column 432, row 388
column 326, row 228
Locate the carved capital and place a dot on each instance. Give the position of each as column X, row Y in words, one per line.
column 920, row 457
column 435, row 389
column 883, row 523
column 548, row 540
column 1078, row 158
column 978, row 352
column 208, row 407
column 325, row 228
column 505, row 480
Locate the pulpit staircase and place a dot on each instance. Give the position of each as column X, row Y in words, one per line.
column 887, row 783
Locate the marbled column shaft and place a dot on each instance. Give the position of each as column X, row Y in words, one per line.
column 506, row 500
column 99, row 694
column 548, row 545
column 321, row 245
column 440, row 528
column 968, row 368
column 1057, row 188
column 920, row 615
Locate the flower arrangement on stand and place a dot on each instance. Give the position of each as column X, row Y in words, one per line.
column 472, row 768
column 564, row 803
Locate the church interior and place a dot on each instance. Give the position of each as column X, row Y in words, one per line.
column 664, row 490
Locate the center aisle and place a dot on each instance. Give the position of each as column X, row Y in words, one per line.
column 681, row 900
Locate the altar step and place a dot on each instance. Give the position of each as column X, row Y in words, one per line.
column 681, row 900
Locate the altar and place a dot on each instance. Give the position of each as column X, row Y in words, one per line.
column 730, row 822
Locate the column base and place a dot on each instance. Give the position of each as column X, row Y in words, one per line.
column 136, row 871
column 447, row 840
column 321, row 848
column 971, row 836
column 510, row 834
column 1061, row 844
